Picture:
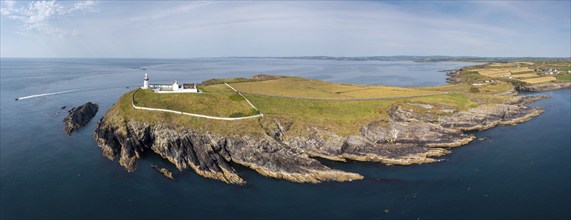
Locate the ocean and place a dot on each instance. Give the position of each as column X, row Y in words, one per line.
column 518, row 172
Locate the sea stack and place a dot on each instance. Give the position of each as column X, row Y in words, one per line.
column 79, row 116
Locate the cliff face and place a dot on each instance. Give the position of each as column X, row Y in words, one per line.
column 211, row 155
column 407, row 137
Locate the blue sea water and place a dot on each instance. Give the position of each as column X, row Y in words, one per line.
column 519, row 172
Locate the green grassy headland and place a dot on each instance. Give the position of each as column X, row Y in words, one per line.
column 344, row 108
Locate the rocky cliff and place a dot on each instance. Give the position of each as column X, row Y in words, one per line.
column 412, row 134
column 543, row 87
column 79, row 117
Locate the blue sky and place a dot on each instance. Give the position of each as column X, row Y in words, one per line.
column 185, row 29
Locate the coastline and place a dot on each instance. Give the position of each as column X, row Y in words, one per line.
column 543, row 87
column 405, row 138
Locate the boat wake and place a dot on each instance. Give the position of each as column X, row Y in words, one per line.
column 65, row 92
column 47, row 94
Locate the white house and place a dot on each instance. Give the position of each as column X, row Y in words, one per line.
column 170, row 88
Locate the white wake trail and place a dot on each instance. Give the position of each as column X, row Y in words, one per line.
column 70, row 91
column 46, row 94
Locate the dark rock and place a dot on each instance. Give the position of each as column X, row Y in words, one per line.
column 164, row 171
column 79, row 117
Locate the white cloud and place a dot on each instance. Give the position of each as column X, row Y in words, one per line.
column 85, row 6
column 37, row 15
column 7, row 7
column 160, row 13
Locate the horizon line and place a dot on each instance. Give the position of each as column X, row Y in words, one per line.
column 300, row 56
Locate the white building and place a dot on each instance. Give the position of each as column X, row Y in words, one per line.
column 170, row 88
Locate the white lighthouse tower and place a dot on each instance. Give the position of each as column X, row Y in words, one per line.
column 146, row 82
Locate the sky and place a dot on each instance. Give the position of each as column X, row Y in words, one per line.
column 188, row 29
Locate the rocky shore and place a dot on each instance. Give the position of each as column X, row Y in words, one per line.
column 452, row 76
column 79, row 116
column 408, row 136
column 543, row 87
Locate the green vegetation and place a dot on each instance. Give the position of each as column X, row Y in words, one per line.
column 122, row 111
column 343, row 117
column 307, row 88
column 474, row 90
column 220, row 105
column 564, row 78
column 343, row 108
column 523, row 73
column 469, row 76
column 520, row 73
column 228, row 80
column 217, row 88
column 517, row 83
column 260, row 77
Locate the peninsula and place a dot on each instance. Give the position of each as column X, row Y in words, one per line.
column 279, row 125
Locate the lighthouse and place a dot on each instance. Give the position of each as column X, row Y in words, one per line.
column 146, row 82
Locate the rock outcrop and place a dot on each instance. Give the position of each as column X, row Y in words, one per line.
column 164, row 171
column 408, row 136
column 211, row 155
column 524, row 100
column 543, row 87
column 488, row 116
column 79, row 116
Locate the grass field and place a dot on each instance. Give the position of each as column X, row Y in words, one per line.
column 341, row 116
column 220, row 105
column 499, row 72
column 122, row 111
column 490, row 88
column 228, row 80
column 494, row 73
column 527, row 75
column 539, row 79
column 564, row 78
column 215, row 88
column 307, row 88
column 511, row 64
column 522, row 75
column 519, row 70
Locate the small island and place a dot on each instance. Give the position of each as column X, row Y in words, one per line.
column 278, row 126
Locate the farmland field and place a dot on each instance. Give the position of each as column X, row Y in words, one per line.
column 527, row 75
column 539, row 80
column 307, row 88
column 564, row 78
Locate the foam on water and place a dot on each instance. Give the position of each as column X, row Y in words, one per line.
column 46, row 94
